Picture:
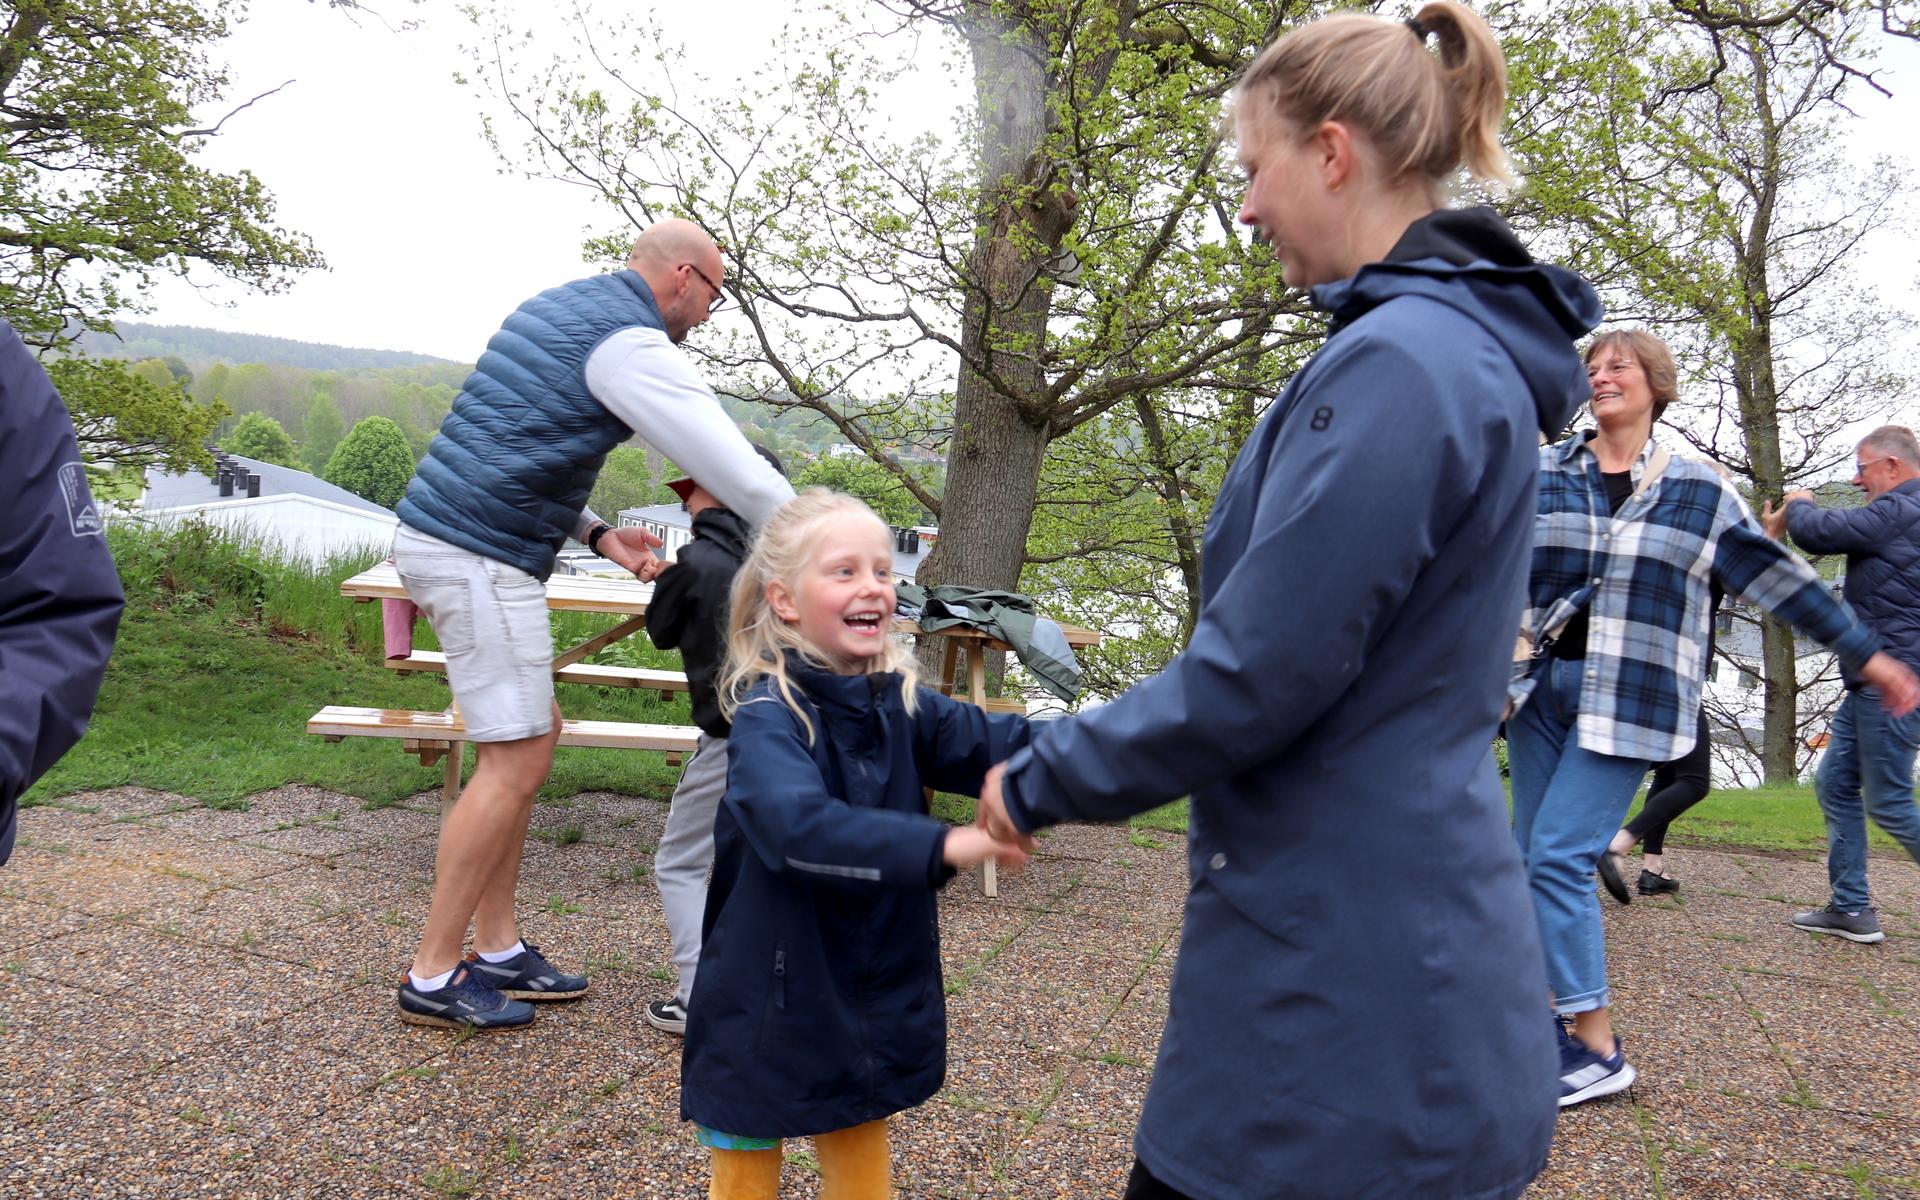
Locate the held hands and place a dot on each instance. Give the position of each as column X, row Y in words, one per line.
column 1774, row 520
column 969, row 847
column 991, row 813
column 632, row 547
column 1899, row 690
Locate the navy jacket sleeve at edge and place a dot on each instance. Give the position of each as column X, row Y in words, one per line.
column 1841, row 530
column 1273, row 650
column 776, row 794
column 60, row 598
column 1753, row 566
column 955, row 742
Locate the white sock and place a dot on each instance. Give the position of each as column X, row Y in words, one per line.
column 430, row 983
column 500, row 956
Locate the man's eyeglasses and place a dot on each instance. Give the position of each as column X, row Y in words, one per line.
column 1860, row 468
column 718, row 298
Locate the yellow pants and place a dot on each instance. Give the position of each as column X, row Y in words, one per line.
column 855, row 1164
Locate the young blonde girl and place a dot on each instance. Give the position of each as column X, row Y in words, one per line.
column 818, row 1010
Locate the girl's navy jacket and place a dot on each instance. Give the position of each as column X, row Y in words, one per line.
column 819, row 1003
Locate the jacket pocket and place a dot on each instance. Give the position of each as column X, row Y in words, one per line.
column 776, row 999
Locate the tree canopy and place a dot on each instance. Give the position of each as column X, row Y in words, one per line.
column 259, row 436
column 126, row 422
column 373, row 462
column 99, row 190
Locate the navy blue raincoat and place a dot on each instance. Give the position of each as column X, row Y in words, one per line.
column 1359, row 1007
column 819, row 1004
column 60, row 597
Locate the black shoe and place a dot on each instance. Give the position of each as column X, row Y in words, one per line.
column 528, row 976
column 464, row 1002
column 669, row 1016
column 1654, row 885
column 1609, row 868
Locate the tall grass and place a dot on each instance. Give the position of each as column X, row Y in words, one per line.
column 229, row 644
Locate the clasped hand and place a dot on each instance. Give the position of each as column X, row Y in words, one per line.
column 992, row 835
column 632, row 547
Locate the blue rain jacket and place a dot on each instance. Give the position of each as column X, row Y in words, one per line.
column 819, row 1004
column 60, row 597
column 1359, row 1008
column 1881, row 540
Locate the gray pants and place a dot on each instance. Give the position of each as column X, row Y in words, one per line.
column 685, row 857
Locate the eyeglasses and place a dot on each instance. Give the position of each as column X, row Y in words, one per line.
column 718, row 298
column 1860, row 467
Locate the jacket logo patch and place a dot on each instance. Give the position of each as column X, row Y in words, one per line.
column 82, row 515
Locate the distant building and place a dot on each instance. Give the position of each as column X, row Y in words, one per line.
column 674, row 528
column 306, row 517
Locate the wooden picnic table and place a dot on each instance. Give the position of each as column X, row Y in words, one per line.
column 430, row 735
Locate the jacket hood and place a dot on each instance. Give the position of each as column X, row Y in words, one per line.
column 1470, row 260
column 724, row 526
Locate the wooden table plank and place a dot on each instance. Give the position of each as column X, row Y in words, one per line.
column 565, row 593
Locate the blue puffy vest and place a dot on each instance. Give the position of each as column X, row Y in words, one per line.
column 513, row 463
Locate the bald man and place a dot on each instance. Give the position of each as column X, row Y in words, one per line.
column 571, row 374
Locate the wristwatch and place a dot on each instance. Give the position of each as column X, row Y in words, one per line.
column 595, row 534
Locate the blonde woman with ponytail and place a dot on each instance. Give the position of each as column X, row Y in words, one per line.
column 818, row 1009
column 1358, row 1008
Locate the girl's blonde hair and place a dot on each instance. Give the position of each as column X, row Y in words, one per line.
column 757, row 639
column 1424, row 114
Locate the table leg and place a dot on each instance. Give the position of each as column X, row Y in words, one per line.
column 450, row 787
column 949, row 659
column 599, row 641
column 450, row 790
column 977, row 692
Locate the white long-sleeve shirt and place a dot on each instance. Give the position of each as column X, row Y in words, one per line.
column 646, row 381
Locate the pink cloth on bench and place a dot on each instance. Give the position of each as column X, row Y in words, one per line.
column 396, row 622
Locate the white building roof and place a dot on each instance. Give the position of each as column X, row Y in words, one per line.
column 167, row 491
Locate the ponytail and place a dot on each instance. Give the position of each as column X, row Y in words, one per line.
column 1425, row 114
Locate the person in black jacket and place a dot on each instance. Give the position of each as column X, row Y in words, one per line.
column 819, row 1010
column 689, row 613
column 60, row 597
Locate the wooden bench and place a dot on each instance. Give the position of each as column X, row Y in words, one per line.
column 665, row 682
column 1000, row 704
column 431, row 736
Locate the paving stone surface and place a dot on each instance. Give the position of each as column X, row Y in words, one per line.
column 198, row 1002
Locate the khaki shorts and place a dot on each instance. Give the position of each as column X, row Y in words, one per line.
column 491, row 619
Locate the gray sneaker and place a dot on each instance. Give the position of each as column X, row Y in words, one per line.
column 1863, row 926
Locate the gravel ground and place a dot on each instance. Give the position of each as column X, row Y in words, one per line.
column 197, row 1003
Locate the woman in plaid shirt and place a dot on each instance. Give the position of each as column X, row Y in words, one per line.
column 1627, row 545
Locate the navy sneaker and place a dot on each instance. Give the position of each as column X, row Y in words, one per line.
column 466, row 1002
column 528, row 976
column 1585, row 1075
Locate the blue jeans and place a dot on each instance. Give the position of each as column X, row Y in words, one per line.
column 1567, row 804
column 1869, row 752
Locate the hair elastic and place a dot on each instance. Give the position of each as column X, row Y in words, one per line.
column 1420, row 31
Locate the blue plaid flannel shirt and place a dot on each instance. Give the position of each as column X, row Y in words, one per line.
column 1644, row 576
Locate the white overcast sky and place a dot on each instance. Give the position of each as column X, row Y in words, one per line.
column 376, row 153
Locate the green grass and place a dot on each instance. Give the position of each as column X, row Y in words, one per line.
column 224, row 652
column 1763, row 818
